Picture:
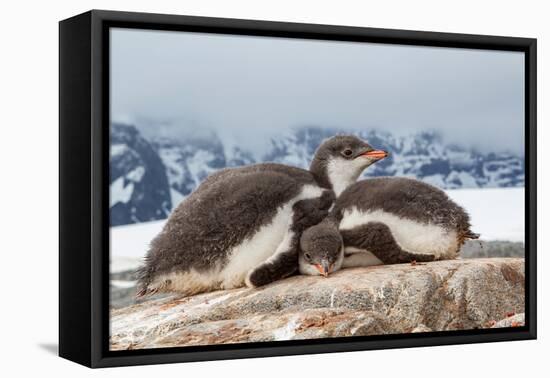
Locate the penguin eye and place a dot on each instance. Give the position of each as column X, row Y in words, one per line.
column 307, row 256
column 347, row 152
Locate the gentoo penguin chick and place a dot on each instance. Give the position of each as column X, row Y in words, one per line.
column 387, row 220
column 321, row 249
column 243, row 225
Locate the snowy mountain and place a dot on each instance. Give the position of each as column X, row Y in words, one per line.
column 424, row 155
column 139, row 189
column 191, row 161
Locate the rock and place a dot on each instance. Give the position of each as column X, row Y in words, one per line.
column 515, row 320
column 421, row 328
column 438, row 296
column 492, row 248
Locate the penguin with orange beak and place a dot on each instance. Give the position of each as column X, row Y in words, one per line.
column 242, row 226
column 321, row 249
column 385, row 220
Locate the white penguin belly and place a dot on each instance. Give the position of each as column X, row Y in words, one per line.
column 266, row 242
column 410, row 235
column 354, row 257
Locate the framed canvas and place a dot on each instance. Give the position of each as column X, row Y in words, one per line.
column 234, row 188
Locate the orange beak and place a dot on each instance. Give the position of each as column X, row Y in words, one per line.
column 376, row 154
column 324, row 268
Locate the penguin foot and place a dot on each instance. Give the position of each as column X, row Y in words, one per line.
column 377, row 238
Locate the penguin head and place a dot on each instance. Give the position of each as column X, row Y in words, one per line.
column 321, row 250
column 341, row 159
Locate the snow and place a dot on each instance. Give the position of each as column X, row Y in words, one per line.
column 295, row 152
column 496, row 214
column 119, row 192
column 435, row 180
column 198, row 165
column 457, row 158
column 171, row 157
column 136, row 174
column 124, row 264
column 123, row 284
column 462, row 179
column 176, row 197
column 133, row 240
column 118, row 149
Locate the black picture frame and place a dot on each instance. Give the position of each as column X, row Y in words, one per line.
column 84, row 178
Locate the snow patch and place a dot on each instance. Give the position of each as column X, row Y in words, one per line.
column 124, row 264
column 123, row 193
column 136, row 174
column 118, row 149
column 123, row 284
column 119, row 192
column 495, row 213
column 198, row 165
column 133, row 240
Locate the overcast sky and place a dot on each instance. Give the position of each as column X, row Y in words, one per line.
column 250, row 88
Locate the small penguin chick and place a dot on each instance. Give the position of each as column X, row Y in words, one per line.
column 321, row 249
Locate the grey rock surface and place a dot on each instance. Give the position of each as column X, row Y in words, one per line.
column 513, row 320
column 438, row 296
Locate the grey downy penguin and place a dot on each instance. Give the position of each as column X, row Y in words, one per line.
column 242, row 225
column 385, row 220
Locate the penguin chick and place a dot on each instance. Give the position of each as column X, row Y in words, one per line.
column 385, row 221
column 400, row 219
column 321, row 249
column 243, row 225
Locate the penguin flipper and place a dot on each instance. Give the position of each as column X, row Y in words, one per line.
column 284, row 262
column 279, row 266
column 309, row 212
column 377, row 238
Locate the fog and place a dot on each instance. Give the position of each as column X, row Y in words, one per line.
column 249, row 88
